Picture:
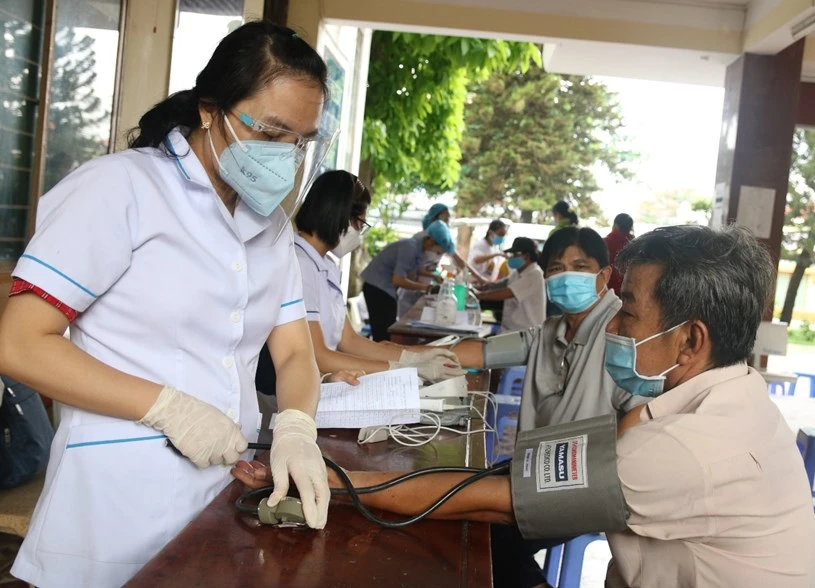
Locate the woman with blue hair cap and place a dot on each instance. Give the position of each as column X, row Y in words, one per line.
column 430, row 263
column 438, row 211
column 397, row 266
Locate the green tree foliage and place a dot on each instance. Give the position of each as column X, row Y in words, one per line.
column 414, row 117
column 414, row 109
column 799, row 229
column 533, row 138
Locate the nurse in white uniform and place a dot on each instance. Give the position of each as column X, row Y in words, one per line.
column 332, row 219
column 173, row 261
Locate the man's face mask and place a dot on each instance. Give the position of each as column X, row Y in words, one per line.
column 573, row 292
column 261, row 172
column 621, row 364
column 516, row 262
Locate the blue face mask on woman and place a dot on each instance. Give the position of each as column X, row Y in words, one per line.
column 497, row 239
column 261, row 172
column 572, row 292
column 621, row 364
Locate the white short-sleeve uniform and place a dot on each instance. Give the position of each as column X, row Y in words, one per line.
column 322, row 291
column 172, row 289
column 479, row 249
column 527, row 307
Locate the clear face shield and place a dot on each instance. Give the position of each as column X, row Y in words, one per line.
column 303, row 158
column 312, row 155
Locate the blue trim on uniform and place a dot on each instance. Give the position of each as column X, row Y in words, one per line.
column 290, row 302
column 111, row 441
column 59, row 273
column 169, row 147
column 312, row 312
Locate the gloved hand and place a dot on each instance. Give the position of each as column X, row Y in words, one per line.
column 201, row 432
column 295, row 453
column 416, row 358
column 434, row 370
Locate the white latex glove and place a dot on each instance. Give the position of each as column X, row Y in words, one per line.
column 295, row 453
column 434, row 370
column 201, row 432
column 417, row 358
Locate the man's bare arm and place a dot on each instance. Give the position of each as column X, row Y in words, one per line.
column 488, row 500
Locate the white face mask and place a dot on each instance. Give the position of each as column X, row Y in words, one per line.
column 350, row 240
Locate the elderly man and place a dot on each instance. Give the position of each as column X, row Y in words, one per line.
column 713, row 485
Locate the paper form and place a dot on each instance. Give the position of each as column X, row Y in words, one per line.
column 390, row 397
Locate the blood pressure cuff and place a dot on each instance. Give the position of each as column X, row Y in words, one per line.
column 564, row 480
column 506, row 350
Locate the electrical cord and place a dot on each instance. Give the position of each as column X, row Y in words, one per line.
column 354, row 493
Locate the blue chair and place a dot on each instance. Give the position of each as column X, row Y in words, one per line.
column 782, row 388
column 811, row 378
column 512, row 381
column 551, row 565
column 565, row 571
column 806, row 443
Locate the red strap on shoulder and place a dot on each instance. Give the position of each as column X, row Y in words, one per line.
column 19, row 286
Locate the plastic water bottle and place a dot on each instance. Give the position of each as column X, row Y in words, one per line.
column 473, row 306
column 460, row 289
column 446, row 305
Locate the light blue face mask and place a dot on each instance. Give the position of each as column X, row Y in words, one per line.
column 516, row 262
column 621, row 364
column 572, row 292
column 497, row 239
column 261, row 172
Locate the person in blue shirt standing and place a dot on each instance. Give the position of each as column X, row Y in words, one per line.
column 396, row 266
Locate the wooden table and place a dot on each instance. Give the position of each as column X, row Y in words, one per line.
column 403, row 334
column 224, row 548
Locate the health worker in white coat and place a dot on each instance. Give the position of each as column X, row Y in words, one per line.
column 333, row 219
column 173, row 262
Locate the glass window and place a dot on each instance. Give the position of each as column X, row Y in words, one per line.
column 200, row 26
column 22, row 22
column 83, row 75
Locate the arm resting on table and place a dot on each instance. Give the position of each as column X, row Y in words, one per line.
column 488, row 500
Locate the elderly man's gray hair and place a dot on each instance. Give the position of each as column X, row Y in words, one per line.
column 722, row 278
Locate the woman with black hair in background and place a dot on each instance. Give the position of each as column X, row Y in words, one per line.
column 564, row 215
column 173, row 262
column 333, row 218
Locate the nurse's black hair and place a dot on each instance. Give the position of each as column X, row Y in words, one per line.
column 723, row 278
column 245, row 61
column 587, row 239
column 335, row 198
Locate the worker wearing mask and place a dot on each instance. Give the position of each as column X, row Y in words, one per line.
column 523, row 291
column 485, row 250
column 701, row 486
column 333, row 219
column 396, row 266
column 172, row 262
